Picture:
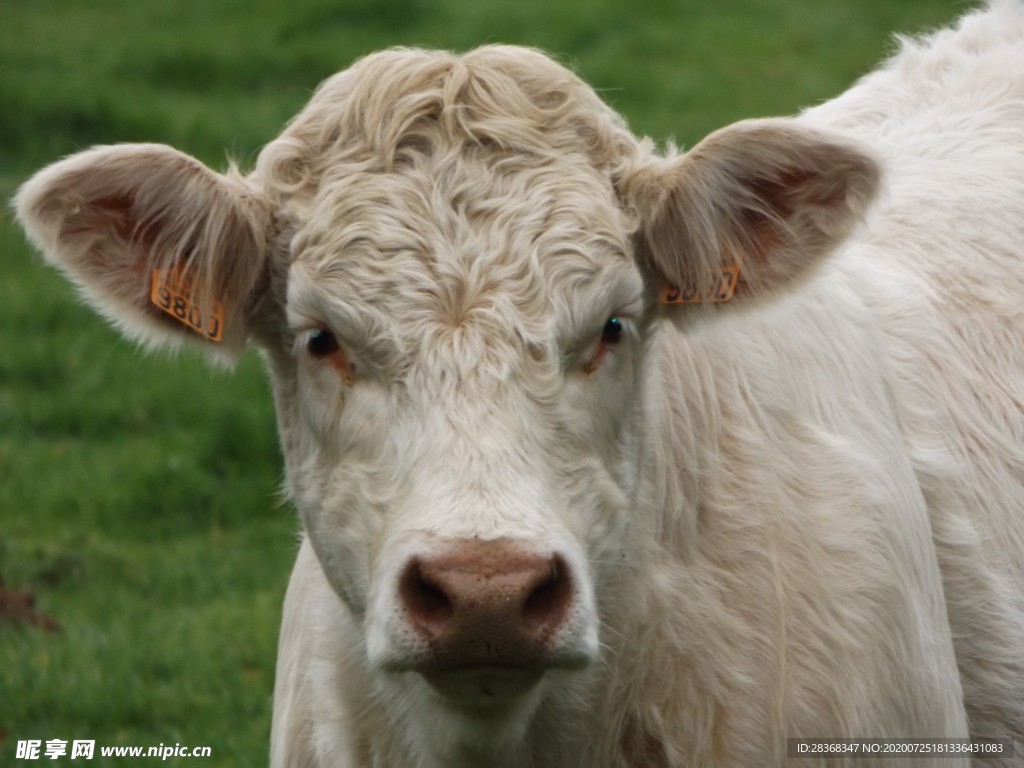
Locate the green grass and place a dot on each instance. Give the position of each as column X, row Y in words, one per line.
column 138, row 493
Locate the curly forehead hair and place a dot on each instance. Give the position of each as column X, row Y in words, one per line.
column 394, row 105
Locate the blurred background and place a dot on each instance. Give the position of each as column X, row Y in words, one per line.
column 144, row 549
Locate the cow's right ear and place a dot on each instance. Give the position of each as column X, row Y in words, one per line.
column 156, row 241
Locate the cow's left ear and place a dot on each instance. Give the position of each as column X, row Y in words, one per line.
column 772, row 196
column 166, row 248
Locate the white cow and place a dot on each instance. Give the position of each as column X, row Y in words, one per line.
column 551, row 521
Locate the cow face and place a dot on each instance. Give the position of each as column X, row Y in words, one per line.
column 458, row 376
column 452, row 265
column 459, row 385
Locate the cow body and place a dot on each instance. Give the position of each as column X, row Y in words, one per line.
column 550, row 522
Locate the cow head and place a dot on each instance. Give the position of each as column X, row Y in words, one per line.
column 452, row 266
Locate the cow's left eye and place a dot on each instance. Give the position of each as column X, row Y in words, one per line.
column 612, row 330
column 611, row 335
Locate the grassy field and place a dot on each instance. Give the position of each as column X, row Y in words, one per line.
column 138, row 495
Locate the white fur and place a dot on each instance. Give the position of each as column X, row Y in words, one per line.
column 800, row 514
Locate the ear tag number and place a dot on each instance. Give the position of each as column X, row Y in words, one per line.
column 687, row 294
column 169, row 293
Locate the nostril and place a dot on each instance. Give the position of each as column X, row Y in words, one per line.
column 425, row 600
column 548, row 603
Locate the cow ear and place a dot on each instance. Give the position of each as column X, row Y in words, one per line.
column 156, row 241
column 770, row 196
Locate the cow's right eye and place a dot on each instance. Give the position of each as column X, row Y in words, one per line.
column 322, row 343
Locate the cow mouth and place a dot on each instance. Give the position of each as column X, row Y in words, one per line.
column 483, row 684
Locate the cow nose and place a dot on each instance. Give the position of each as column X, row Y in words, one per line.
column 480, row 602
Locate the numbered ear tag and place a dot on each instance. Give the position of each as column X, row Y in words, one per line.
column 688, row 294
column 169, row 293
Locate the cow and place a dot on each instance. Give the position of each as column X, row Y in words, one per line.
column 607, row 455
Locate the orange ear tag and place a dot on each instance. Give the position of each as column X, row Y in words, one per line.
column 169, row 293
column 726, row 287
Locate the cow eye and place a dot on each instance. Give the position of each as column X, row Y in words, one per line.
column 612, row 331
column 611, row 335
column 322, row 343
